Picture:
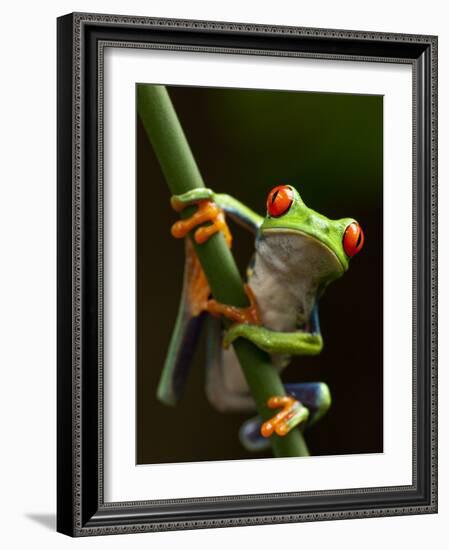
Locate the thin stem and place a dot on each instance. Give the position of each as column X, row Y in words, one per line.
column 182, row 174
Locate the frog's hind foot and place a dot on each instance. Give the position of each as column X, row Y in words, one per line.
column 292, row 414
column 315, row 396
column 253, row 432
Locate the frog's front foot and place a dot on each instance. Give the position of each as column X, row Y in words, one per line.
column 207, row 211
column 246, row 315
column 292, row 414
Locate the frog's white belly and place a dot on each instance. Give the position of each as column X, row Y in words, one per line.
column 289, row 272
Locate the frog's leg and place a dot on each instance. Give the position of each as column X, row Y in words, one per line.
column 195, row 293
column 225, row 383
column 315, row 396
column 274, row 342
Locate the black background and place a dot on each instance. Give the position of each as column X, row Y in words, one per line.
column 329, row 146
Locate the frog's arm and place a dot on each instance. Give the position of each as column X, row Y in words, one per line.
column 289, row 343
column 236, row 210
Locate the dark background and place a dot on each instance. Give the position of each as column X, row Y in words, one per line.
column 329, row 146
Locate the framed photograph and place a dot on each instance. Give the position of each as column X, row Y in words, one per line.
column 247, row 279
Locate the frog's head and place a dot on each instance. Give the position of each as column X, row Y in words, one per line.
column 287, row 213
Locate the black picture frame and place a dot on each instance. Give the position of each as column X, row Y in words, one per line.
column 81, row 509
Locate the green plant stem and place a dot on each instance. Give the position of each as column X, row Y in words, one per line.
column 182, row 174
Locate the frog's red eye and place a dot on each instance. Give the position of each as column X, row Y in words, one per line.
column 353, row 239
column 279, row 200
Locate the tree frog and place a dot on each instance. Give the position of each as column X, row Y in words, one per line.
column 298, row 253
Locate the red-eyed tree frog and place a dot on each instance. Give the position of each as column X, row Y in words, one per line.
column 298, row 252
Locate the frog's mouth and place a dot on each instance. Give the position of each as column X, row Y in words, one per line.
column 310, row 243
